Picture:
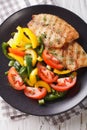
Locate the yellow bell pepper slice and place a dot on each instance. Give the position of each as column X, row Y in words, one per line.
column 39, row 58
column 17, row 38
column 32, row 77
column 28, row 82
column 32, row 37
column 25, row 39
column 61, row 71
column 10, row 42
column 41, row 83
column 33, row 55
column 18, row 58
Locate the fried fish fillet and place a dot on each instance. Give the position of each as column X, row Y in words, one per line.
column 71, row 56
column 55, row 30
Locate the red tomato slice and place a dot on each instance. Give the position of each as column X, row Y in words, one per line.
column 15, row 80
column 64, row 84
column 51, row 60
column 35, row 93
column 46, row 74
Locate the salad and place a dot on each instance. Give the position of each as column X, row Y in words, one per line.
column 33, row 69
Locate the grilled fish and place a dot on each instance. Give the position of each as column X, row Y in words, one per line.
column 72, row 56
column 55, row 30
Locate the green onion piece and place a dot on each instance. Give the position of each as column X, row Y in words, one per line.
column 54, row 96
column 5, row 49
column 41, row 101
column 50, row 97
column 17, row 65
column 28, row 60
column 11, row 63
column 23, row 72
column 6, row 73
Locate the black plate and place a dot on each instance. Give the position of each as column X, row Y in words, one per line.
column 18, row 99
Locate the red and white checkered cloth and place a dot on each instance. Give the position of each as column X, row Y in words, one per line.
column 8, row 7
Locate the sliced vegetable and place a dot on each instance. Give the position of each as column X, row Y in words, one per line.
column 61, row 71
column 52, row 97
column 16, row 51
column 15, row 80
column 17, row 65
column 32, row 77
column 43, row 84
column 46, row 75
column 28, row 60
column 41, row 102
column 41, row 46
column 41, row 49
column 23, row 72
column 32, row 37
column 5, row 49
column 28, row 46
column 39, row 58
column 27, row 80
column 64, row 84
column 51, row 60
column 17, row 38
column 26, row 40
column 40, row 40
column 33, row 55
column 11, row 63
column 18, row 58
column 48, row 67
column 35, row 93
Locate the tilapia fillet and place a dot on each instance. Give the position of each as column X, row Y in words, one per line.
column 72, row 56
column 57, row 31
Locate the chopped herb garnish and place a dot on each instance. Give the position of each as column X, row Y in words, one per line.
column 53, row 52
column 53, row 24
column 50, row 43
column 12, row 34
column 57, row 40
column 47, row 24
column 44, row 18
column 58, row 31
column 71, row 61
column 43, row 35
column 61, row 56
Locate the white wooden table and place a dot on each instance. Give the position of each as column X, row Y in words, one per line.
column 38, row 123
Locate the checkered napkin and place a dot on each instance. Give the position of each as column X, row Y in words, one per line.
column 6, row 9
column 14, row 114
